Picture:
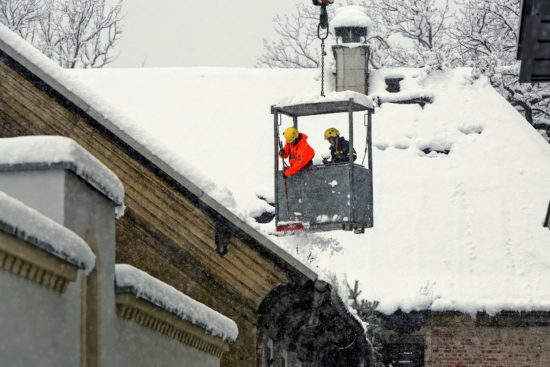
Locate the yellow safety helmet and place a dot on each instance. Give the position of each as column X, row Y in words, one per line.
column 331, row 132
column 291, row 134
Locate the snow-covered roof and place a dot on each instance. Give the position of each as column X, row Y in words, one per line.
column 39, row 152
column 129, row 279
column 458, row 231
column 29, row 225
column 351, row 16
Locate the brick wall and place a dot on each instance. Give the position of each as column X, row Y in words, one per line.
column 488, row 346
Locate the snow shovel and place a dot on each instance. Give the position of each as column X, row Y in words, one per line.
column 288, row 225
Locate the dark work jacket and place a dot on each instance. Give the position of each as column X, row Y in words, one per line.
column 339, row 152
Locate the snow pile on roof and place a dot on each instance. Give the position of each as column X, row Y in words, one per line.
column 129, row 279
column 330, row 97
column 29, row 225
column 409, row 88
column 461, row 186
column 351, row 16
column 456, row 231
column 38, row 152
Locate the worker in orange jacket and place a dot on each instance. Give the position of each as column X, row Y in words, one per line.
column 297, row 150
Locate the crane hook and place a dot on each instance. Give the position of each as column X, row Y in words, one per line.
column 323, row 18
column 323, row 24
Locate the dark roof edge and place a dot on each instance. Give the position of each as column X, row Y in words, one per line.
column 547, row 220
column 409, row 322
column 201, row 195
column 521, row 28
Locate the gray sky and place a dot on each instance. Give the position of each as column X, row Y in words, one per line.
column 196, row 33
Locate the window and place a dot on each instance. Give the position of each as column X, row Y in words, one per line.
column 404, row 351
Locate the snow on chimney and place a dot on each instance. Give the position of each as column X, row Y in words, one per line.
column 351, row 51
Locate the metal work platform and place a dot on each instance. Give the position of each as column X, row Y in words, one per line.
column 328, row 196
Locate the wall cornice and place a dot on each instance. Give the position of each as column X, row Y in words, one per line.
column 148, row 315
column 32, row 263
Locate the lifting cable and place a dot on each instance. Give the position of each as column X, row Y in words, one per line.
column 323, row 24
column 365, row 123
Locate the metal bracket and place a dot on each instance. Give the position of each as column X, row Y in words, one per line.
column 222, row 238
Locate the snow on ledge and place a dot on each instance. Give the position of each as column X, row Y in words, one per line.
column 351, row 45
column 56, row 151
column 331, row 97
column 351, row 16
column 129, row 279
column 29, row 225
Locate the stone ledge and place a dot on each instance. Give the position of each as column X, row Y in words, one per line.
column 148, row 315
column 32, row 263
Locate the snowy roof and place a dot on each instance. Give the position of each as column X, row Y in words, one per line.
column 39, row 152
column 129, row 279
column 29, row 225
column 114, row 118
column 350, row 16
column 458, row 231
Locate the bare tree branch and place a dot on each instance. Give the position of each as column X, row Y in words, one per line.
column 487, row 32
column 73, row 33
column 296, row 44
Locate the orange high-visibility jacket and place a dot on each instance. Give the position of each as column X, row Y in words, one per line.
column 299, row 155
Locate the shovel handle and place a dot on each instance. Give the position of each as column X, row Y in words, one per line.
column 285, row 165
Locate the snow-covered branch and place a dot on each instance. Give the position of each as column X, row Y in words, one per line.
column 296, row 43
column 74, row 33
column 486, row 33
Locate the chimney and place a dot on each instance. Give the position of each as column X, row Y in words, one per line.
column 351, row 51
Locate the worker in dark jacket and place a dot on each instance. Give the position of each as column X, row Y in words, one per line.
column 297, row 150
column 339, row 147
